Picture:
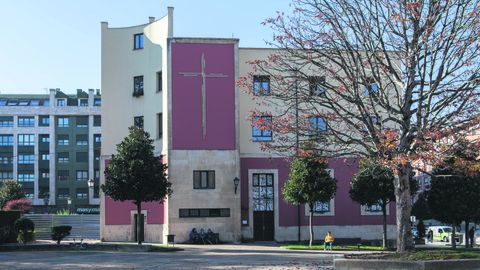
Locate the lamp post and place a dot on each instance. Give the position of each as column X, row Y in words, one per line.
column 46, row 201
column 91, row 184
column 236, row 181
column 69, row 202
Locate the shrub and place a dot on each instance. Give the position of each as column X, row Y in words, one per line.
column 7, row 221
column 60, row 232
column 23, row 205
column 25, row 229
column 65, row 212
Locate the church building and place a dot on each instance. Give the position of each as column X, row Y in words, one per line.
column 184, row 92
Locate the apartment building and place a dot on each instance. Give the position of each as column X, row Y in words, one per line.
column 183, row 91
column 51, row 145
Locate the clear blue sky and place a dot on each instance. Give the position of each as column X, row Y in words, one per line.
column 56, row 43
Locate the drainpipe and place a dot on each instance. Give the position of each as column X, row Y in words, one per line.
column 296, row 149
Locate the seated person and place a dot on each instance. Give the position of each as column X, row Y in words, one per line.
column 193, row 236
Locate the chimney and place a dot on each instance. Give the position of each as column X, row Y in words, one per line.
column 151, row 19
column 170, row 22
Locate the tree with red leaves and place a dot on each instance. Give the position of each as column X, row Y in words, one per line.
column 384, row 79
column 23, row 205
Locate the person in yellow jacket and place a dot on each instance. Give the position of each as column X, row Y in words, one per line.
column 328, row 239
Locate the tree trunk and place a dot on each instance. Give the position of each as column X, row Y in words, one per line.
column 454, row 244
column 403, row 209
column 310, row 224
column 139, row 226
column 467, row 238
column 384, row 213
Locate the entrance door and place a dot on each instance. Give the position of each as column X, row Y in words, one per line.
column 263, row 211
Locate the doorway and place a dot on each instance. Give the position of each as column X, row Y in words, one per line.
column 263, row 210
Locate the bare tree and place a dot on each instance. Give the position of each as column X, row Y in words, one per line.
column 372, row 78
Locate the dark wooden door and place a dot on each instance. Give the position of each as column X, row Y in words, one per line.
column 263, row 210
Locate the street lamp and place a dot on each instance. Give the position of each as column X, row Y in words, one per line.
column 91, row 183
column 69, row 202
column 236, row 181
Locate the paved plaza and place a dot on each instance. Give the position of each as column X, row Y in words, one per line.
column 193, row 257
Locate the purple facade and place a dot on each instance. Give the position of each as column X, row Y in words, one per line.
column 210, row 65
column 347, row 212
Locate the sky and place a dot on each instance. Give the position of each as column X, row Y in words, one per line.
column 56, row 43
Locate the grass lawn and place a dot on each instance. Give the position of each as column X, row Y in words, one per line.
column 341, row 248
column 439, row 254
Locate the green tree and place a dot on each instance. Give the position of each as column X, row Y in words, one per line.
column 10, row 190
column 309, row 182
column 373, row 184
column 136, row 174
column 454, row 196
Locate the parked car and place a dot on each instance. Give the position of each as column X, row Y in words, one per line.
column 443, row 233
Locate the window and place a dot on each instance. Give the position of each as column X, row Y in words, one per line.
column 26, row 121
column 44, row 121
column 138, row 121
column 82, row 193
column 12, row 102
column 261, row 130
column 97, row 120
column 315, row 85
column 6, row 175
column 26, row 139
column 372, row 87
column 261, row 85
column 61, row 102
column 204, row 212
column 63, row 175
column 318, row 125
column 26, row 177
column 96, row 155
column 82, row 139
column 137, row 86
column 3, row 102
column 6, row 121
column 97, row 102
column 6, row 159
column 63, row 193
column 373, row 208
column 62, row 139
column 97, row 138
column 83, row 102
column 82, row 156
column 159, row 81
column 6, row 140
column 23, row 102
column 35, row 103
column 28, row 193
column 44, row 138
column 138, row 41
column 45, row 156
column 26, row 159
column 63, row 122
column 45, row 175
column 160, row 125
column 204, row 179
column 82, row 121
column 63, row 157
column 321, row 207
column 46, row 103
column 262, row 192
column 82, row 175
